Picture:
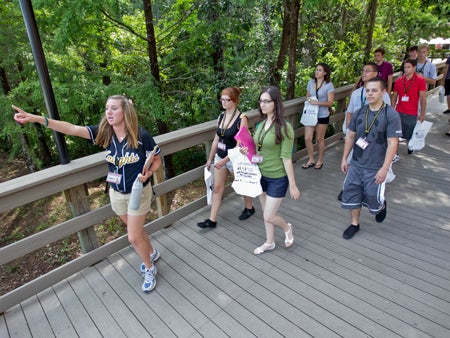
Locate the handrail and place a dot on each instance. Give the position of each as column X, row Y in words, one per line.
column 32, row 187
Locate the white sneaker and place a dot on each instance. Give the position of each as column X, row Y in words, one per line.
column 149, row 279
column 153, row 257
column 396, row 159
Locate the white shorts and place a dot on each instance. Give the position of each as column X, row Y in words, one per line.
column 228, row 165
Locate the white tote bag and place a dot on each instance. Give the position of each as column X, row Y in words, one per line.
column 417, row 141
column 247, row 177
column 310, row 113
column 209, row 182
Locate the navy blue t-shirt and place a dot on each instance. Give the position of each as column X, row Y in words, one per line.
column 125, row 160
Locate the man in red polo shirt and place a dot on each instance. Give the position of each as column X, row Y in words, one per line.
column 408, row 91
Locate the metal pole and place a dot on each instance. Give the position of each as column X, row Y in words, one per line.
column 44, row 77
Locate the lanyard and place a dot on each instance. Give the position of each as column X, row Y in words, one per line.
column 222, row 130
column 406, row 90
column 363, row 98
column 421, row 69
column 317, row 89
column 368, row 128
column 263, row 132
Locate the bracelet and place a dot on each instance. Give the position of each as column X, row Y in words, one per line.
column 46, row 121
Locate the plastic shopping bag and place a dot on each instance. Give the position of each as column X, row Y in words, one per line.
column 390, row 175
column 441, row 94
column 209, row 182
column 310, row 113
column 417, row 141
column 247, row 177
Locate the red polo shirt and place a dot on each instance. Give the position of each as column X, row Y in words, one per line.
column 408, row 94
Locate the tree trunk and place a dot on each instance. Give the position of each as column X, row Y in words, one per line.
column 371, row 14
column 45, row 153
column 154, row 70
column 275, row 77
column 4, row 79
column 292, row 64
column 217, row 45
column 151, row 40
column 24, row 143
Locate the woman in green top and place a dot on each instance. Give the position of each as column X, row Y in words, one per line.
column 274, row 138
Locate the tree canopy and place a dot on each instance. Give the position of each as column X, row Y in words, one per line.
column 98, row 48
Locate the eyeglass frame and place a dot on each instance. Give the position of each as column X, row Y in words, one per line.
column 264, row 101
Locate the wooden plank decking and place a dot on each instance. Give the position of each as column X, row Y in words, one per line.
column 390, row 280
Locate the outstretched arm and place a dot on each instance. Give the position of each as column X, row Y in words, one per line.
column 60, row 126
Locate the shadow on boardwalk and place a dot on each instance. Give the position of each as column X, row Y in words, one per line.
column 390, row 280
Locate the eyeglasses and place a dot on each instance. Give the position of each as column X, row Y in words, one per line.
column 264, row 101
column 368, row 71
column 224, row 100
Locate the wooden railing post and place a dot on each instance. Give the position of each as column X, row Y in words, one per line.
column 77, row 199
column 162, row 203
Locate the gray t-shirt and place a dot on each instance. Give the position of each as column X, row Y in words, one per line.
column 322, row 95
column 428, row 69
column 387, row 124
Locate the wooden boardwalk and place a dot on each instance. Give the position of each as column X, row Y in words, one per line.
column 390, row 280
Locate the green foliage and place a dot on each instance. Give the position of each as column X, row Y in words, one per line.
column 98, row 48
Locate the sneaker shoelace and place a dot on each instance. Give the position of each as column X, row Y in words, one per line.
column 149, row 275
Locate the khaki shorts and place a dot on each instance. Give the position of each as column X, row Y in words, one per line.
column 120, row 202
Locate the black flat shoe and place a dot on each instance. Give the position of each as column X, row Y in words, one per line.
column 246, row 213
column 207, row 224
column 382, row 214
column 350, row 231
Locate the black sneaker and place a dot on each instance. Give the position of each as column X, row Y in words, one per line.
column 410, row 151
column 340, row 195
column 207, row 224
column 247, row 213
column 350, row 231
column 446, row 112
column 382, row 214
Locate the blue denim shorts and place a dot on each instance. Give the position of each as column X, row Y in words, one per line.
column 275, row 187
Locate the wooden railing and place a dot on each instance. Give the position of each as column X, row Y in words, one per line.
column 72, row 177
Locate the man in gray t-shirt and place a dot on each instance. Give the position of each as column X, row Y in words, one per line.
column 373, row 134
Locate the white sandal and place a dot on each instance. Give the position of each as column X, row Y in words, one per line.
column 288, row 242
column 266, row 246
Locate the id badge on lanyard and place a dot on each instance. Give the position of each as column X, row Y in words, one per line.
column 113, row 178
column 362, row 143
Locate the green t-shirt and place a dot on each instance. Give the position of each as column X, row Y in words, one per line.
column 272, row 164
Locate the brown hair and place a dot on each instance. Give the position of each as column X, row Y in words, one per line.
column 233, row 92
column 279, row 119
column 379, row 50
column 106, row 132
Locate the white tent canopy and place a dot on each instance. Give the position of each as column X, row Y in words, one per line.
column 436, row 41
